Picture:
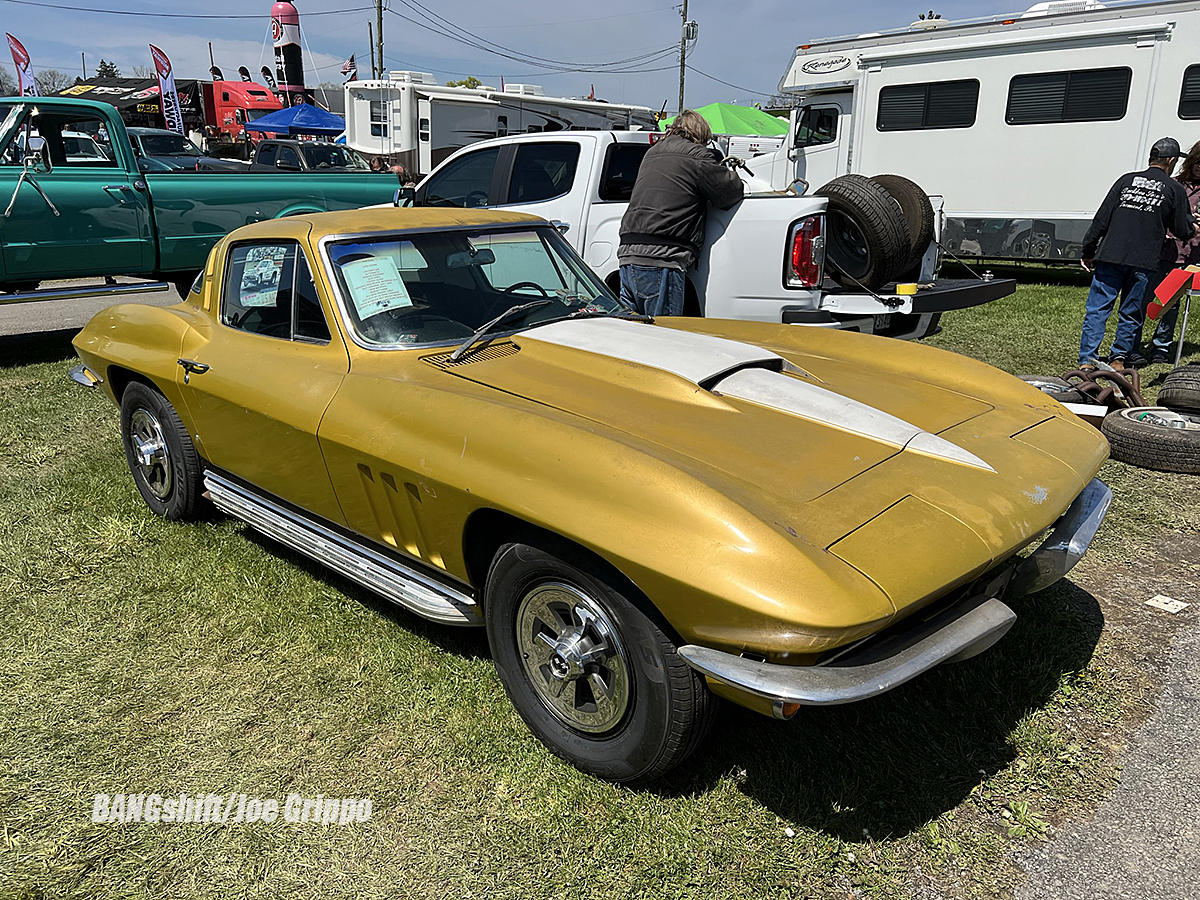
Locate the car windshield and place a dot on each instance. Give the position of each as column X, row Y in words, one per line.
column 168, row 145
column 439, row 287
column 332, row 156
column 252, row 114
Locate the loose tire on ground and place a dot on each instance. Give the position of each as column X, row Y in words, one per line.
column 1142, row 436
column 918, row 214
column 1058, row 388
column 867, row 240
column 160, row 453
column 627, row 707
column 1181, row 389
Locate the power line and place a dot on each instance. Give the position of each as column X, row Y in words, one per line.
column 727, row 83
column 576, row 21
column 152, row 15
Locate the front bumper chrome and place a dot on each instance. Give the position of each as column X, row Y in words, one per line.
column 81, row 374
column 958, row 632
column 1072, row 535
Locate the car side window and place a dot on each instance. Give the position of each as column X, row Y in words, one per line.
column 266, row 154
column 309, row 317
column 269, row 290
column 620, row 170
column 288, row 156
column 818, row 127
column 466, row 182
column 543, row 171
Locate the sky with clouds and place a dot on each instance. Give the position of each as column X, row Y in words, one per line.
column 748, row 43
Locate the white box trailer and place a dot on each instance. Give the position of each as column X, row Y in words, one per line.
column 413, row 120
column 1022, row 122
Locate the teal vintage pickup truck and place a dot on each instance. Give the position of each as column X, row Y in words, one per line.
column 72, row 216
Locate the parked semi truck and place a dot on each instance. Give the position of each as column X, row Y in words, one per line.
column 763, row 260
column 1020, row 121
column 68, row 216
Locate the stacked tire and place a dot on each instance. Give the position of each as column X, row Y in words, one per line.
column 1165, row 437
column 877, row 229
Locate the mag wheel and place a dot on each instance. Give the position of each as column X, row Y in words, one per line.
column 160, row 453
column 593, row 676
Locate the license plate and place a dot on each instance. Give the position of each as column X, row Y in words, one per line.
column 882, row 322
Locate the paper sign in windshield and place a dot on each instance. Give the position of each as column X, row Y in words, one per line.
column 260, row 277
column 375, row 285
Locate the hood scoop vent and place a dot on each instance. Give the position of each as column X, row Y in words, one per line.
column 482, row 354
column 779, row 391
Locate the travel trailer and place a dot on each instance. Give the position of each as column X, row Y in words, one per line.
column 415, row 121
column 1021, row 122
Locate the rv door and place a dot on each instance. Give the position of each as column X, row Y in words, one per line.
column 819, row 138
column 424, row 136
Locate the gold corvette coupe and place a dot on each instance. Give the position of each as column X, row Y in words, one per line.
column 449, row 408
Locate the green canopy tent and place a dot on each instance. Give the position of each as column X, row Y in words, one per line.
column 725, row 118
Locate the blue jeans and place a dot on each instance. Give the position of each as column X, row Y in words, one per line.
column 1163, row 343
column 1109, row 282
column 653, row 290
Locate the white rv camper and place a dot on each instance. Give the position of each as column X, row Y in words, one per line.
column 415, row 121
column 1022, row 122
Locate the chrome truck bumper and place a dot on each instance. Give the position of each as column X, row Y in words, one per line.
column 959, row 632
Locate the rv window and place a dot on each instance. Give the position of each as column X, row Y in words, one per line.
column 819, row 126
column 620, row 170
column 501, row 126
column 466, row 182
column 940, row 104
column 379, row 118
column 1189, row 97
column 543, row 171
column 1094, row 95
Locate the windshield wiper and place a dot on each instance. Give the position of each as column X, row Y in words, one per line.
column 488, row 326
column 615, row 314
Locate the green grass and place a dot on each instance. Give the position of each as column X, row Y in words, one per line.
column 139, row 655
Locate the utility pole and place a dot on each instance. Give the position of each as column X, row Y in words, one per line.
column 682, row 51
column 371, row 44
column 83, row 64
column 379, row 36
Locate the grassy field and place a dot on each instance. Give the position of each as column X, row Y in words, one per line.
column 143, row 656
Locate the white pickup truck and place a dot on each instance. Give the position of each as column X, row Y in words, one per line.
column 763, row 260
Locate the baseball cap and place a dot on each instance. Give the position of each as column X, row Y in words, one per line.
column 1165, row 148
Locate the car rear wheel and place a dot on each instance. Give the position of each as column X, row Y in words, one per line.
column 160, row 453
column 592, row 675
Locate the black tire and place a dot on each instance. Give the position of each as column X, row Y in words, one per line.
column 918, row 214
column 659, row 709
column 160, row 453
column 1141, row 437
column 867, row 241
column 1057, row 388
column 1181, row 389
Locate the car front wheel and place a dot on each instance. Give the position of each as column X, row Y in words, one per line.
column 592, row 675
column 160, row 453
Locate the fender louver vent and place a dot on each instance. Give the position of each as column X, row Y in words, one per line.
column 495, row 351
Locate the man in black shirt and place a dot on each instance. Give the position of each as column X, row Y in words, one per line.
column 663, row 228
column 1129, row 228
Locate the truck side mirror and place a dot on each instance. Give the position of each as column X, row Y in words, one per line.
column 38, row 159
column 286, row 166
column 404, row 196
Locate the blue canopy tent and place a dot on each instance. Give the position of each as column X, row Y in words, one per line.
column 300, row 119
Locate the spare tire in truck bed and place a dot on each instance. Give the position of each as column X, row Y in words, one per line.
column 918, row 214
column 867, row 241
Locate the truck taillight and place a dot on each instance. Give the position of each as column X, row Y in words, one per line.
column 807, row 253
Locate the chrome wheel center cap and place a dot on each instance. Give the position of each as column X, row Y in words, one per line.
column 149, row 452
column 567, row 661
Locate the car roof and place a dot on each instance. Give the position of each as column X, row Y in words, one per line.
column 379, row 219
column 140, row 129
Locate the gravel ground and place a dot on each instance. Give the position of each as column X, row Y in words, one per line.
column 1144, row 841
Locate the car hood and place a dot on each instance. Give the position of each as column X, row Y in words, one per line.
column 876, row 466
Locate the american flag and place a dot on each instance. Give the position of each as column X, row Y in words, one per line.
column 350, row 67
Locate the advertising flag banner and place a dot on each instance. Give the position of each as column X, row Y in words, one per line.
column 25, row 82
column 172, row 112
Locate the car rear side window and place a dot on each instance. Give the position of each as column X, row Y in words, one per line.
column 1087, row 95
column 620, row 170
column 269, row 291
column 543, row 171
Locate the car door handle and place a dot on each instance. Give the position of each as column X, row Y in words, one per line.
column 190, row 366
column 120, row 189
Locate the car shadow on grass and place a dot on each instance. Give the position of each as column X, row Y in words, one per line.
column 38, row 347
column 890, row 764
